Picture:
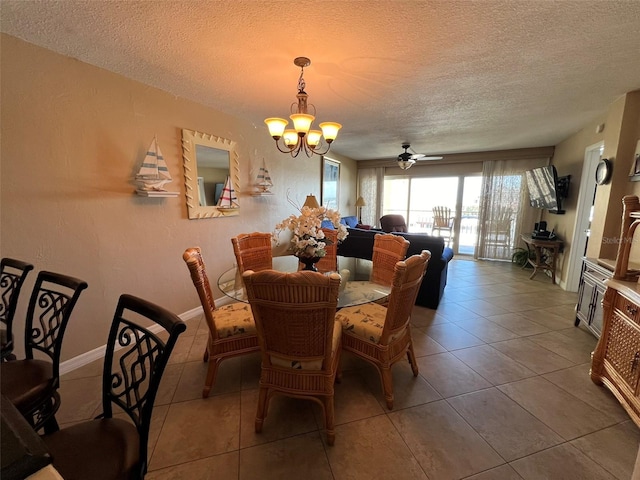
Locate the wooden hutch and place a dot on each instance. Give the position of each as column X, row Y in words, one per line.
column 616, row 360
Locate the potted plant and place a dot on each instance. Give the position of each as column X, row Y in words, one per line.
column 521, row 255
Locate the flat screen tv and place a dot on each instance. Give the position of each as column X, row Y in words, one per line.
column 546, row 189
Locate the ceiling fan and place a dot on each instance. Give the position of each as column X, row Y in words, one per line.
column 407, row 159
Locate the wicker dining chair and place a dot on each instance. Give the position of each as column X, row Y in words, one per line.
column 12, row 275
column 232, row 330
column 253, row 251
column 31, row 384
column 329, row 263
column 299, row 338
column 382, row 335
column 388, row 249
column 109, row 447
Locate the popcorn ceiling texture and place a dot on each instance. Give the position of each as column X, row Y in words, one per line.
column 447, row 76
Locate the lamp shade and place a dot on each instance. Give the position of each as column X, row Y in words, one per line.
column 290, row 137
column 313, row 138
column 276, row 126
column 330, row 130
column 302, row 122
column 360, row 202
column 406, row 164
column 311, row 202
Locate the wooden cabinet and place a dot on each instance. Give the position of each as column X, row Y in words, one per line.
column 591, row 293
column 616, row 360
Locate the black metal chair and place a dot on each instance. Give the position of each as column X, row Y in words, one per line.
column 32, row 384
column 114, row 448
column 12, row 275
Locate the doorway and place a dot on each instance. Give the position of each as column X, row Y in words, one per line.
column 584, row 212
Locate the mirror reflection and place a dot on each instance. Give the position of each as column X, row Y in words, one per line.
column 213, row 170
column 210, row 162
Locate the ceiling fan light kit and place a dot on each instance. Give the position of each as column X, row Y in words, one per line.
column 406, row 159
column 301, row 138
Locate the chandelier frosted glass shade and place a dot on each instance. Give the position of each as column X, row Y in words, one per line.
column 301, row 138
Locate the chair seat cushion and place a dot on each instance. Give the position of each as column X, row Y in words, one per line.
column 312, row 364
column 107, row 448
column 365, row 321
column 27, row 383
column 234, row 319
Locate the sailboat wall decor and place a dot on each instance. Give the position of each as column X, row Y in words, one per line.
column 263, row 181
column 154, row 174
column 228, row 200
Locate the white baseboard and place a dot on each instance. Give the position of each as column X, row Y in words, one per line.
column 99, row 352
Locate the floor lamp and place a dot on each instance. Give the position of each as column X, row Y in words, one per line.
column 359, row 204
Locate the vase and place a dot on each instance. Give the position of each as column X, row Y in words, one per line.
column 309, row 263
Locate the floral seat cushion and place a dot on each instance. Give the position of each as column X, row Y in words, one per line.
column 235, row 319
column 366, row 321
column 313, row 364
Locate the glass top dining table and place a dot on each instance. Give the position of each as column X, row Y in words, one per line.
column 356, row 287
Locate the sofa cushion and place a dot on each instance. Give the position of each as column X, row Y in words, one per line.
column 327, row 224
column 349, row 221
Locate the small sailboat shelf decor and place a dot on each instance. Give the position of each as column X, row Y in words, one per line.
column 263, row 181
column 154, row 174
column 228, row 201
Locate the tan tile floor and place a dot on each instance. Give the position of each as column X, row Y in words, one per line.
column 503, row 393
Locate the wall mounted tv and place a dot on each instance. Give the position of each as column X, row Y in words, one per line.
column 546, row 189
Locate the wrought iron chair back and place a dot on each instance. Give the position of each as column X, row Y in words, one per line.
column 52, row 301
column 110, row 447
column 12, row 275
column 31, row 384
column 132, row 375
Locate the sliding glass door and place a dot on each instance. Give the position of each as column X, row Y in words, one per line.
column 414, row 198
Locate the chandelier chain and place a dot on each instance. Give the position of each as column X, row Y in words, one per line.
column 301, row 83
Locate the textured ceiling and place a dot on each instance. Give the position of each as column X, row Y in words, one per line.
column 446, row 76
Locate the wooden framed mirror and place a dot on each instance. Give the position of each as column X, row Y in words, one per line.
column 210, row 167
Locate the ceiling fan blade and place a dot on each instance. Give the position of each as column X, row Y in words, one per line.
column 427, row 157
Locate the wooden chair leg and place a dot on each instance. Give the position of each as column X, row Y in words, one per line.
column 211, row 376
column 411, row 356
column 205, row 357
column 261, row 412
column 387, row 386
column 329, row 419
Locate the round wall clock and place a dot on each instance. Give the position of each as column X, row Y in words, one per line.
column 603, row 171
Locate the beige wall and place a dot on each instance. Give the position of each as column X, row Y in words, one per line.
column 73, row 137
column 620, row 135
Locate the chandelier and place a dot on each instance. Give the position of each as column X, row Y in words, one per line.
column 300, row 138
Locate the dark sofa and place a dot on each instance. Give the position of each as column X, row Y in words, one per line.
column 359, row 243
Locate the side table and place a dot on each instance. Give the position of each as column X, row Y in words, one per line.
column 545, row 254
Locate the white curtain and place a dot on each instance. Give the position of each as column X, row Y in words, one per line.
column 371, row 189
column 504, row 212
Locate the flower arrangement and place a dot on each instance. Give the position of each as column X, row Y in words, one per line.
column 308, row 238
